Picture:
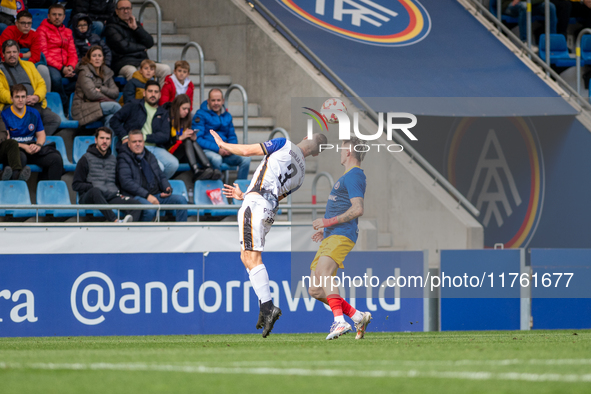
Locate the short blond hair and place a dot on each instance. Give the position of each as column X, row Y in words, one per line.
column 149, row 63
column 182, row 64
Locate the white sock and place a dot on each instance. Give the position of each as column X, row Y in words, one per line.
column 259, row 278
column 357, row 317
column 340, row 319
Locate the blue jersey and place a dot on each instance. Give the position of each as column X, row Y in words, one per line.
column 23, row 128
column 350, row 185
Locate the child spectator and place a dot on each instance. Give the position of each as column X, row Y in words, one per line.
column 178, row 83
column 84, row 38
column 134, row 88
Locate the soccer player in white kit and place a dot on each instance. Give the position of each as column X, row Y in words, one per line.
column 280, row 173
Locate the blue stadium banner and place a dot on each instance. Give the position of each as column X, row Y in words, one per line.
column 172, row 293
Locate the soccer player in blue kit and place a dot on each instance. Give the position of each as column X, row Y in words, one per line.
column 338, row 233
column 280, row 173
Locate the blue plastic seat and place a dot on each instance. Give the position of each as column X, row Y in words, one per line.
column 184, row 167
column 96, row 213
column 38, row 15
column 92, row 125
column 200, row 197
column 559, row 55
column 16, row 193
column 586, row 49
column 81, row 144
column 55, row 193
column 178, row 188
column 120, row 80
column 54, row 103
column 61, row 148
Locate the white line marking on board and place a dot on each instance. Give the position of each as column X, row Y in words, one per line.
column 530, row 377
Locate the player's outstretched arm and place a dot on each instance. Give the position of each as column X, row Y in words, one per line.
column 355, row 211
column 233, row 192
column 238, row 149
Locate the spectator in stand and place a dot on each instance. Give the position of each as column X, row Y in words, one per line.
column 57, row 44
column 10, row 157
column 178, row 83
column 143, row 114
column 27, row 39
column 95, row 178
column 15, row 71
column 134, row 88
column 96, row 92
column 84, row 38
column 7, row 13
column 518, row 9
column 98, row 11
column 24, row 125
column 177, row 120
column 129, row 42
column 140, row 176
column 213, row 116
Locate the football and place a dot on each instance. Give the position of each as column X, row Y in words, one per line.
column 331, row 105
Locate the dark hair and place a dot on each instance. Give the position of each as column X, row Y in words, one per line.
column 150, row 83
column 24, row 14
column 175, row 117
column 319, row 139
column 56, row 5
column 354, row 141
column 19, row 87
column 135, row 132
column 86, row 59
column 104, row 129
column 10, row 43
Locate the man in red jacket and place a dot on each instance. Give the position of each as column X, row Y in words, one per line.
column 27, row 38
column 57, row 44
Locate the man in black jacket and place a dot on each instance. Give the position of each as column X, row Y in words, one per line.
column 129, row 42
column 95, row 177
column 98, row 11
column 140, row 176
column 145, row 115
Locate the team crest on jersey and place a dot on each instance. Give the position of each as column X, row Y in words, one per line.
column 337, row 185
column 498, row 165
column 31, row 127
column 378, row 22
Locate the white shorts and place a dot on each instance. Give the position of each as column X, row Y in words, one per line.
column 254, row 221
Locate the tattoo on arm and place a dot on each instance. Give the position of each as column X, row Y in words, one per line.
column 353, row 212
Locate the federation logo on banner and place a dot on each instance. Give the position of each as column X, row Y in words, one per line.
column 497, row 164
column 378, row 22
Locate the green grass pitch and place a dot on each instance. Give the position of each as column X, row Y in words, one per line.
column 441, row 362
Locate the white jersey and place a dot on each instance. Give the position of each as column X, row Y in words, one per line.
column 281, row 172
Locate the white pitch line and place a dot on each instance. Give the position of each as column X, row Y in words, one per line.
column 530, row 377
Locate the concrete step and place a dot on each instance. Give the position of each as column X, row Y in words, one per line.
column 168, row 27
column 235, row 96
column 255, row 123
column 173, row 39
column 211, row 80
column 237, row 109
column 173, row 53
column 209, row 66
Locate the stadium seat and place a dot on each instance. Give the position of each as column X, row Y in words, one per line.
column 96, row 213
column 178, row 188
column 16, row 193
column 201, row 198
column 92, row 125
column 586, row 50
column 559, row 55
column 38, row 15
column 243, row 184
column 114, row 141
column 61, row 148
column 55, row 193
column 54, row 103
column 183, row 167
column 120, row 80
column 81, row 144
column 67, row 18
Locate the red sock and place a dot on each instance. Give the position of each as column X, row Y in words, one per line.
column 334, row 301
column 347, row 308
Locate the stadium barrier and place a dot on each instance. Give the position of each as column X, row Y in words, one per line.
column 188, row 293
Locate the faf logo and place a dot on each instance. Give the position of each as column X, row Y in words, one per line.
column 378, row 22
column 498, row 165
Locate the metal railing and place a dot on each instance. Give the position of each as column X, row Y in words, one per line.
column 578, row 53
column 279, row 130
column 245, row 109
column 158, row 25
column 584, row 103
column 347, row 91
column 193, row 44
column 142, row 207
column 314, row 183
